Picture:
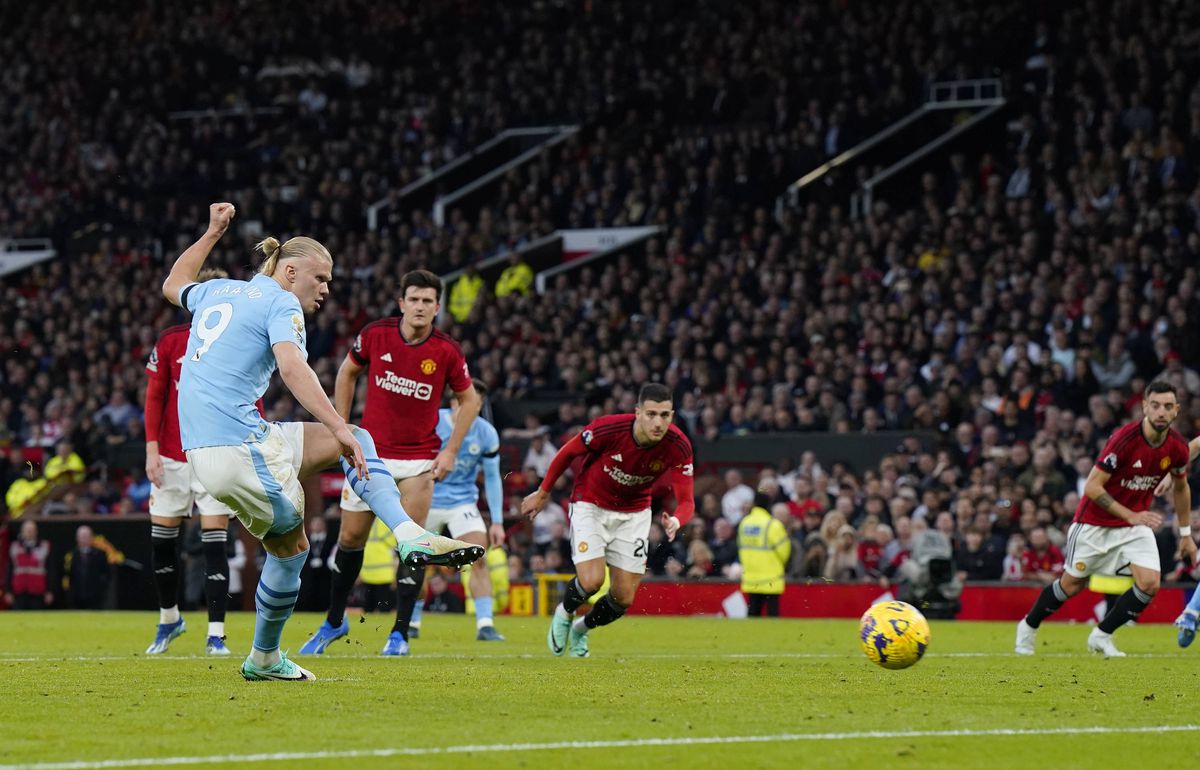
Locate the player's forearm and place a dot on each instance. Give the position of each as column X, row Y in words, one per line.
column 1100, row 496
column 685, row 497
column 469, row 406
column 188, row 265
column 152, row 415
column 1183, row 503
column 302, row 381
column 562, row 460
column 343, row 391
column 493, row 488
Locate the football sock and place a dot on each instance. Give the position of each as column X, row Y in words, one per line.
column 347, row 563
column 573, row 596
column 164, row 559
column 408, row 589
column 418, row 605
column 1128, row 607
column 216, row 576
column 604, row 612
column 379, row 491
column 483, row 611
column 1048, row 602
column 278, row 588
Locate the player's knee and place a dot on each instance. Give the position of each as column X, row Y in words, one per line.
column 1150, row 585
column 623, row 599
column 589, row 584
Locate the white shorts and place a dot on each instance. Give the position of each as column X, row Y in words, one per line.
column 400, row 470
column 619, row 538
column 260, row 480
column 181, row 490
column 460, row 520
column 1109, row 550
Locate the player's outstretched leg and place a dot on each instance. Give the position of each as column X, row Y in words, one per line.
column 603, row 612
column 1128, row 607
column 417, row 546
column 216, row 586
column 347, row 564
column 1186, row 622
column 278, row 589
column 164, row 558
column 560, row 624
column 1048, row 602
column 409, row 581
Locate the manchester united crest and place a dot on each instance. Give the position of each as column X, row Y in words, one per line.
column 656, row 466
column 1164, row 463
column 428, row 366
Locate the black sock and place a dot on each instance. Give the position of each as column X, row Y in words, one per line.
column 574, row 596
column 408, row 589
column 1048, row 602
column 604, row 612
column 164, row 560
column 216, row 573
column 1128, row 607
column 346, row 566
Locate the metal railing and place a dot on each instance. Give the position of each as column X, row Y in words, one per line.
column 980, row 93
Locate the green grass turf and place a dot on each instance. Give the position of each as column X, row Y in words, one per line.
column 76, row 687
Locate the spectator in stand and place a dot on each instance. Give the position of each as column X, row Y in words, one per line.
column 517, row 278
column 1043, row 561
column 736, row 501
column 538, row 456
column 30, row 576
column 843, row 566
column 66, row 466
column 1014, row 558
column 464, row 293
column 88, row 572
column 724, row 546
column 978, row 558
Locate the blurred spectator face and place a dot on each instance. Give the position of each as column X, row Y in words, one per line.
column 904, row 528
column 780, row 512
column 723, row 530
column 732, row 479
column 29, row 531
column 1038, row 539
column 974, row 540
column 803, row 487
column 84, row 537
column 537, row 563
column 945, row 524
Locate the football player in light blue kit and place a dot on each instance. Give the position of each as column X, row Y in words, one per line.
column 240, row 332
column 455, row 507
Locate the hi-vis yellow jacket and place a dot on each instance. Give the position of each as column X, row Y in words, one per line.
column 763, row 549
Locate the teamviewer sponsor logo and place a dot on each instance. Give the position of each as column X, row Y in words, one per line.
column 628, row 479
column 1141, row 483
column 389, row 380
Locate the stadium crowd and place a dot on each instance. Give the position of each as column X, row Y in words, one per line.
column 1016, row 306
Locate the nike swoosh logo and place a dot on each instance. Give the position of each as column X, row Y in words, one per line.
column 425, row 544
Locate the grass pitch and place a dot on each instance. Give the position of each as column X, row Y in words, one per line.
column 78, row 693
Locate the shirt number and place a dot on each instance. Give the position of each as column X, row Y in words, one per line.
column 209, row 331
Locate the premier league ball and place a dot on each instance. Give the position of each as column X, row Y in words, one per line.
column 894, row 634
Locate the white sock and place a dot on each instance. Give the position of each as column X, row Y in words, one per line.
column 409, row 530
column 579, row 626
column 483, row 623
column 264, row 659
column 216, row 629
column 168, row 614
column 1191, row 612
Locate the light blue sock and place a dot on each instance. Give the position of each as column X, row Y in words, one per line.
column 1194, row 602
column 483, row 609
column 278, row 587
column 379, row 491
column 416, row 615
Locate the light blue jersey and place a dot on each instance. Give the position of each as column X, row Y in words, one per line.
column 480, row 448
column 229, row 360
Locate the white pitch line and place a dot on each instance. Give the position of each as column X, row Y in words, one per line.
column 292, row 756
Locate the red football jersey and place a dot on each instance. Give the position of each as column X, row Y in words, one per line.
column 1050, row 561
column 1135, row 468
column 166, row 361
column 405, row 384
column 617, row 474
